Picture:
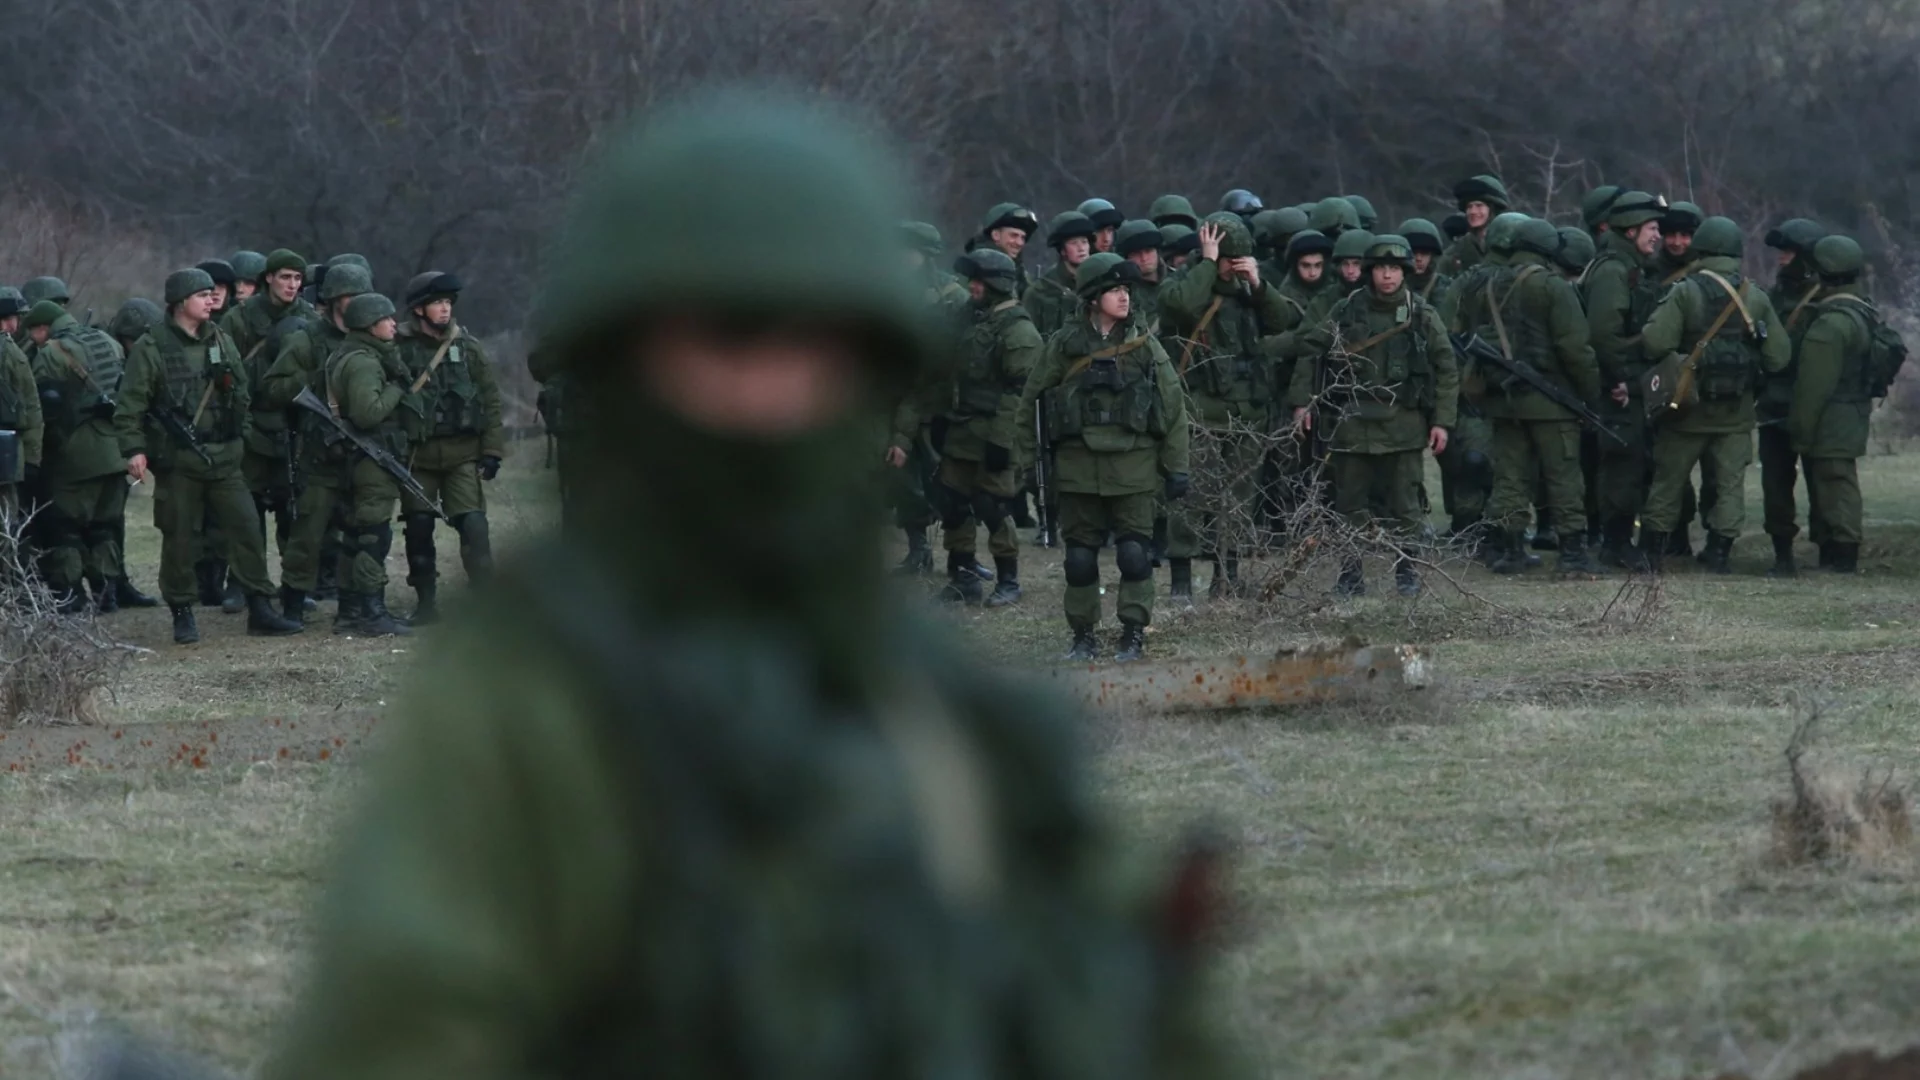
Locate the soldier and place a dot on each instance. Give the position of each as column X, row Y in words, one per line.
column 1844, row 363
column 1576, row 251
column 1349, row 267
column 1008, row 227
column 131, row 323
column 1795, row 294
column 1173, row 210
column 1466, row 462
column 368, row 387
column 261, row 327
column 1595, row 205
column 1119, row 423
column 1106, row 219
column 1479, row 198
column 1729, row 332
column 1426, row 278
column 1533, row 314
column 1273, row 230
column 1454, row 226
column 1677, row 227
column 1050, row 301
column 20, row 413
column 248, row 268
column 46, row 288
column 1333, row 216
column 1621, row 289
column 185, row 369
column 1179, row 244
column 1307, row 281
column 1384, row 353
column 77, row 370
column 221, row 271
column 1242, row 203
column 1224, row 312
column 455, row 437
column 1139, row 243
column 937, row 860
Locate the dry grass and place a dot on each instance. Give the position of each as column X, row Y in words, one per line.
column 1834, row 817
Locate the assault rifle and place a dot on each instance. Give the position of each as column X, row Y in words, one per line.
column 182, row 432
column 1470, row 347
column 1042, row 482
column 311, row 402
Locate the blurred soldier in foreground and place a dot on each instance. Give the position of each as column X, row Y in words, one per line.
column 690, row 797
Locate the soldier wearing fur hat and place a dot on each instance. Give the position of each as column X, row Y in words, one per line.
column 1479, row 199
column 1050, row 301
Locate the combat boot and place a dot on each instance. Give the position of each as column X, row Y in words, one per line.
column 919, row 558
column 327, row 584
column 1575, row 560
column 1406, row 579
column 1514, row 557
column 1616, row 543
column 1826, row 554
column 1717, row 550
column 1783, row 558
column 1180, row 574
column 1006, row 590
column 185, row 632
column 963, row 586
column 206, row 577
column 1226, row 578
column 293, row 604
column 1544, row 539
column 1352, row 581
column 263, row 621
column 1133, row 643
column 978, row 569
column 347, row 616
column 426, row 611
column 104, row 600
column 377, row 621
column 233, row 599
column 1845, row 560
column 126, row 595
column 1085, row 648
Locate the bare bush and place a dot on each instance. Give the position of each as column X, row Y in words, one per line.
column 54, row 668
column 1834, row 817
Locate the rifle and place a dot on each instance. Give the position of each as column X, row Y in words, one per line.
column 1470, row 347
column 311, row 402
column 1041, row 482
column 182, row 432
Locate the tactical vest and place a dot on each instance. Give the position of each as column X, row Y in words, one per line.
column 1394, row 371
column 1115, row 392
column 452, row 406
column 982, row 380
column 186, row 386
column 1227, row 364
column 1729, row 366
column 85, row 349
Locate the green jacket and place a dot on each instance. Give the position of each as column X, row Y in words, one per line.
column 1436, row 288
column 1797, row 303
column 1831, row 406
column 257, row 331
column 1119, row 421
column 1233, row 366
column 1384, row 398
column 1464, row 254
column 981, row 395
column 1540, row 311
column 303, row 355
column 1683, row 317
column 172, row 370
column 1621, row 289
column 79, row 436
column 456, row 418
column 1050, row 300
column 367, row 384
column 20, row 402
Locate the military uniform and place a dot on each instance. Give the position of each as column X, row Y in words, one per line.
column 1796, row 297
column 1471, row 249
column 1718, row 429
column 259, row 327
column 78, row 371
column 21, row 414
column 1621, row 289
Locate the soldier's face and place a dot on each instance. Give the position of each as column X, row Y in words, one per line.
column 10, row 325
column 1075, row 249
column 384, row 329
column 1387, row 278
column 1178, row 262
column 1147, row 259
column 1310, row 268
column 198, row 308
column 1116, row 303
column 1478, row 214
column 438, row 313
column 977, row 289
column 1103, row 239
column 1010, row 240
column 1646, row 238
column 1786, row 258
column 1677, row 243
column 775, row 381
column 1421, row 261
column 285, row 285
column 1350, row 271
column 39, row 334
column 219, row 297
column 243, row 291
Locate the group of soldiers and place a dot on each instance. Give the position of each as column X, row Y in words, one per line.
column 263, row 386
column 1569, row 380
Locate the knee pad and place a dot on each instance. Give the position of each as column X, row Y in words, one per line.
column 1083, row 566
column 419, row 529
column 1133, row 559
column 373, row 540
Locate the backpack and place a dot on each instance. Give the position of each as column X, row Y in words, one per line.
column 1886, row 351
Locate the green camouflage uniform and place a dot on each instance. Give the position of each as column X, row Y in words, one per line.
column 85, row 474
column 1832, row 401
column 453, row 425
column 259, row 327
column 999, row 353
column 368, row 385
column 1621, row 289
column 1796, row 299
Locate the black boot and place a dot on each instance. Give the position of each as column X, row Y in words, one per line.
column 1616, row 543
column 127, row 595
column 1133, row 643
column 1226, row 578
column 1544, row 540
column 1514, row 557
column 1352, row 581
column 963, row 585
column 1575, row 560
column 207, row 582
column 1717, row 550
column 1406, row 579
column 104, row 600
column 1006, row 587
column 1782, row 558
column 1180, row 573
column 327, row 583
column 233, row 598
column 426, row 610
column 1653, row 549
column 263, row 621
column 1085, row 648
column 1845, row 560
column 919, row 559
column 347, row 616
column 185, row 632
column 1826, row 554
column 293, row 604
column 377, row 621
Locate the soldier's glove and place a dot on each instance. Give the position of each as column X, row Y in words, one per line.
column 996, row 458
column 489, row 467
column 1177, row 486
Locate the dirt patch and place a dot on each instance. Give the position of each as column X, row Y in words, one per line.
column 1858, row 1065
column 189, row 744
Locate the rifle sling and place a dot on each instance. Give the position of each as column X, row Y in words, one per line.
column 1199, row 328
column 1699, row 347
column 1368, row 343
column 1806, row 299
column 453, row 331
column 1495, row 304
column 1732, row 294
column 1107, row 353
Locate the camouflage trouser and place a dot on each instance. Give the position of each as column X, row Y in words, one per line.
column 971, row 497
column 463, row 496
column 1622, row 471
column 1545, row 450
column 1378, row 487
column 1466, row 470
column 187, row 501
column 1779, row 469
column 1085, row 523
column 1833, row 494
column 81, row 530
column 272, row 488
column 307, row 544
column 1725, row 458
column 908, row 489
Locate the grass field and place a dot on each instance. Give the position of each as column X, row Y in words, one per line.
column 1554, row 864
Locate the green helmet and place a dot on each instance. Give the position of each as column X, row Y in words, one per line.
column 1236, row 240
column 1065, row 227
column 1422, row 235
column 991, row 267
column 1008, row 215
column 1352, row 244
column 1330, row 215
column 1173, row 209
column 45, row 288
column 345, row 279
column 247, row 265
column 1389, row 248
column 1178, row 239
column 1838, row 258
column 1682, row 217
column 139, row 315
column 1102, row 213
column 1363, row 210
column 1719, row 236
column 1538, row 236
column 1485, row 188
column 366, row 309
column 1595, row 204
column 284, row 259
column 1103, row 270
column 1275, row 227
column 48, row 312
column 1502, row 231
column 1137, row 235
column 180, row 285
column 1576, row 249
column 347, row 257
column 1308, row 242
column 1632, row 209
column 922, row 237
column 1796, row 234
column 642, row 237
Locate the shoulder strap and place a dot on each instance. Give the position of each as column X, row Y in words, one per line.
column 1003, row 305
column 453, row 332
column 1495, row 304
column 1806, row 298
column 1693, row 356
column 1413, row 312
column 1107, row 353
column 1733, row 295
column 1199, row 328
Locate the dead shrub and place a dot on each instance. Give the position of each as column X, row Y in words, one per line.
column 1833, row 817
column 54, row 668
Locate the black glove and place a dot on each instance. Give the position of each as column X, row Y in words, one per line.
column 1177, row 486
column 489, row 467
column 996, row 458
column 937, row 434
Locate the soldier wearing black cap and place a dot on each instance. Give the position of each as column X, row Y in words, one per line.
column 455, row 434
column 221, row 271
